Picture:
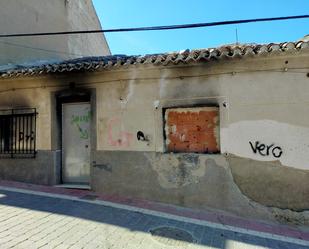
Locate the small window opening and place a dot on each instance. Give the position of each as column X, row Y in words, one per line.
column 18, row 133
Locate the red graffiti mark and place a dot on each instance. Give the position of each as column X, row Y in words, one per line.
column 123, row 138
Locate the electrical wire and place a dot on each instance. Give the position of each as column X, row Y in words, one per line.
column 168, row 27
column 39, row 49
column 133, row 29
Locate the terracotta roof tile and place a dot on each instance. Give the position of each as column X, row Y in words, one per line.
column 185, row 57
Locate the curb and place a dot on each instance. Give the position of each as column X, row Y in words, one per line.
column 76, row 195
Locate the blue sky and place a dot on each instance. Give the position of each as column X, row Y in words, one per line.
column 139, row 13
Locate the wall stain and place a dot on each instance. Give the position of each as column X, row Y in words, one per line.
column 121, row 138
column 105, row 167
column 179, row 170
column 270, row 183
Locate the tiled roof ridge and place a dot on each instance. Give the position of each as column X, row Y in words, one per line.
column 173, row 58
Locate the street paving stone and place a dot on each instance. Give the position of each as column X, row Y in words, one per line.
column 31, row 221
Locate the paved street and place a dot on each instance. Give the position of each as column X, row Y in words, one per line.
column 31, row 221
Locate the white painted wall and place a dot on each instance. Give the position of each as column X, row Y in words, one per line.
column 266, row 104
column 287, row 143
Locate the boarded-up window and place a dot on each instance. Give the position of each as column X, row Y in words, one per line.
column 192, row 129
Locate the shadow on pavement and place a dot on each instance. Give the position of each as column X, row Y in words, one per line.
column 168, row 232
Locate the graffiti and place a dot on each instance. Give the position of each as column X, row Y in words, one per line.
column 23, row 137
column 105, row 167
column 122, row 139
column 140, row 136
column 266, row 150
column 77, row 120
column 83, row 133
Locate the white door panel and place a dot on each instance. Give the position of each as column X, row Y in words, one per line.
column 76, row 143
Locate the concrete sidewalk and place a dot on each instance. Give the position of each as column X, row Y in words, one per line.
column 115, row 222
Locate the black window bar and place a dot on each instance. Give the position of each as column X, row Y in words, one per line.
column 18, row 133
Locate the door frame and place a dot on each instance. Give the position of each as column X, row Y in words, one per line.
column 71, row 95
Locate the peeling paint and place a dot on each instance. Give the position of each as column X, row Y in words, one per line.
column 127, row 91
column 292, row 140
column 177, row 171
column 286, row 216
column 270, row 183
column 163, row 85
column 191, row 180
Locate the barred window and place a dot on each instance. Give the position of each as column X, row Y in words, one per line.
column 18, row 133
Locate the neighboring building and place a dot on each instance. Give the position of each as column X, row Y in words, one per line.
column 305, row 38
column 223, row 128
column 33, row 16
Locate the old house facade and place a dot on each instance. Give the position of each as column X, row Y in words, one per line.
column 223, row 128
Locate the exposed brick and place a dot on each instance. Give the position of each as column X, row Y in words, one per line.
column 192, row 129
column 196, row 147
column 181, row 147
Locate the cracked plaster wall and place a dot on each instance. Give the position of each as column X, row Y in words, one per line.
column 188, row 180
column 263, row 135
column 266, row 107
